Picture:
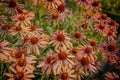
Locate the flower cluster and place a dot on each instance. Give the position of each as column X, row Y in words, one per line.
column 49, row 36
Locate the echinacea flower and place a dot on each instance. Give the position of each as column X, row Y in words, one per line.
column 101, row 18
column 94, row 44
column 55, row 17
column 64, row 12
column 111, row 76
column 14, row 6
column 4, row 29
column 20, row 30
column 66, row 74
column 111, row 34
column 95, row 5
column 84, row 26
column 35, row 30
column 60, row 40
column 87, row 51
column 109, row 47
column 86, row 65
column 51, row 4
column 17, row 53
column 22, row 60
column 113, row 23
column 78, row 36
column 101, row 28
column 23, row 19
column 34, row 42
column 19, row 74
column 63, row 59
column 113, row 60
column 47, row 64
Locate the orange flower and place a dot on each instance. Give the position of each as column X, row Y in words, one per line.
column 14, row 7
column 34, row 42
column 86, row 65
column 48, row 63
column 51, row 4
column 34, row 30
column 23, row 19
column 95, row 5
column 19, row 74
column 60, row 40
column 63, row 59
column 64, row 12
column 66, row 74
column 87, row 51
column 101, row 29
column 4, row 29
column 20, row 30
column 109, row 47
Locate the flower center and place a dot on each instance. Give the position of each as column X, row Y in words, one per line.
column 21, row 17
column 60, row 37
column 34, row 40
column 19, row 53
column 61, row 8
column 88, row 50
column 84, row 26
column 19, row 76
column 93, row 43
column 112, row 22
column 64, row 76
column 104, row 16
column 110, row 33
column 6, row 27
column 62, row 55
column 88, row 15
column 49, row 59
column 21, row 62
column 84, row 61
column 77, row 35
column 55, row 15
column 32, row 28
column 95, row 3
column 101, row 26
column 18, row 28
column 12, row 3
column 50, row 0
column 111, row 47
